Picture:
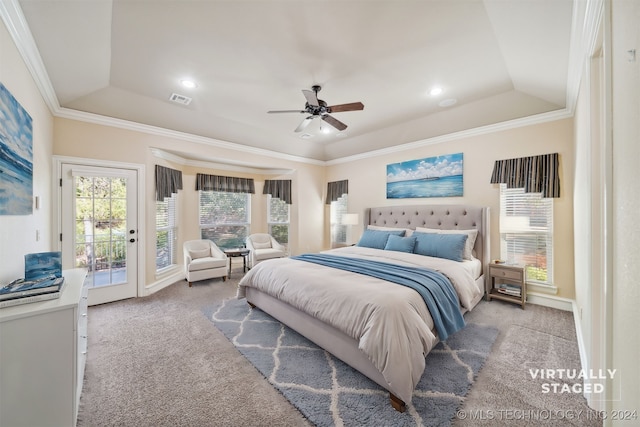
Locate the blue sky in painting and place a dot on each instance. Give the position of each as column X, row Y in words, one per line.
column 432, row 167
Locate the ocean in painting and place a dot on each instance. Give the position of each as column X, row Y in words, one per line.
column 439, row 176
column 16, row 157
column 448, row 186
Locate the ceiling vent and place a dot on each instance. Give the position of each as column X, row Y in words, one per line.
column 180, row 99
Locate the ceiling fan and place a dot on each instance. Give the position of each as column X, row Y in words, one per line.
column 318, row 108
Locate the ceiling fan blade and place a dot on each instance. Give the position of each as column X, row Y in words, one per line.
column 334, row 122
column 346, row 107
column 304, row 124
column 312, row 97
column 285, row 111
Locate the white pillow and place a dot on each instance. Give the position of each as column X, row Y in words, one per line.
column 261, row 245
column 203, row 253
column 471, row 238
column 407, row 231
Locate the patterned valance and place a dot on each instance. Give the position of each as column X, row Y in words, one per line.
column 536, row 174
column 336, row 189
column 168, row 182
column 224, row 183
column 280, row 188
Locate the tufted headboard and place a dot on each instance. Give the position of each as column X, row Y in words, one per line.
column 446, row 217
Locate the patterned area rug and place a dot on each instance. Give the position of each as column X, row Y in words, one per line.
column 330, row 393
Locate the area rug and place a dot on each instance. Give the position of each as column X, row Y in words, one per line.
column 330, row 393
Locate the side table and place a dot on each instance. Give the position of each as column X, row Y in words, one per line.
column 508, row 283
column 234, row 253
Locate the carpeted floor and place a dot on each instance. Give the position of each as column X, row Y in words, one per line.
column 157, row 361
column 329, row 392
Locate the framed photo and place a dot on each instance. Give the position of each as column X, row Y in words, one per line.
column 439, row 176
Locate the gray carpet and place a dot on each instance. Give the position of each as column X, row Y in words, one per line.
column 158, row 361
column 329, row 392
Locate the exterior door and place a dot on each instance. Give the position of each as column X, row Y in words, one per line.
column 99, row 229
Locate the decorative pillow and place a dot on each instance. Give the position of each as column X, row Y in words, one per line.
column 400, row 244
column 377, row 239
column 407, row 231
column 471, row 239
column 202, row 253
column 448, row 246
column 261, row 245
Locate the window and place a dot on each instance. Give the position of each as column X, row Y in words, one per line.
column 338, row 231
column 278, row 219
column 166, row 233
column 526, row 232
column 225, row 217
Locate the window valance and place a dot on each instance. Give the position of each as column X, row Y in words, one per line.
column 280, row 188
column 229, row 184
column 336, row 189
column 536, row 174
column 168, row 182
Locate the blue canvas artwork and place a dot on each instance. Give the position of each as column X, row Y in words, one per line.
column 439, row 176
column 42, row 264
column 16, row 157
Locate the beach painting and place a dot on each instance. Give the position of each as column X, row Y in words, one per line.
column 439, row 176
column 16, row 157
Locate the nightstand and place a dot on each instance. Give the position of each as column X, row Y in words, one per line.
column 508, row 283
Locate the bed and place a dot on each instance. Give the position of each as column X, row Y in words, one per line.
column 380, row 329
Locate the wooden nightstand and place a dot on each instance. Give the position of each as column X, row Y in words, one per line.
column 508, row 283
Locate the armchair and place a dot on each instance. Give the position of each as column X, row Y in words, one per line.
column 263, row 246
column 203, row 259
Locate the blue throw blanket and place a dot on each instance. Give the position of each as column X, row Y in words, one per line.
column 434, row 287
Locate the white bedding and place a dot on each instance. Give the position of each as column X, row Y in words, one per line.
column 390, row 322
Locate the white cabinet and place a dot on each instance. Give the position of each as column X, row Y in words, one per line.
column 42, row 356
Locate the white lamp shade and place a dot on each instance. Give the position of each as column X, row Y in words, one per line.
column 350, row 219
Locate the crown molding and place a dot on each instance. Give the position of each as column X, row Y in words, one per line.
column 226, row 165
column 587, row 16
column 168, row 133
column 483, row 130
column 17, row 26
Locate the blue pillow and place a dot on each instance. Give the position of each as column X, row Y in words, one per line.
column 400, row 244
column 449, row 246
column 377, row 239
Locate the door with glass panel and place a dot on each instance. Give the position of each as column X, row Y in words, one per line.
column 99, row 230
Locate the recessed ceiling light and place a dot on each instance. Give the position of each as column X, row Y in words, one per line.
column 447, row 102
column 188, row 83
column 435, row 91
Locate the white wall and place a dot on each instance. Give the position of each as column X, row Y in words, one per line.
column 626, row 201
column 92, row 141
column 18, row 232
column 606, row 204
column 367, row 181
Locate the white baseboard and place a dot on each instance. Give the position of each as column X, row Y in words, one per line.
column 163, row 282
column 549, row 300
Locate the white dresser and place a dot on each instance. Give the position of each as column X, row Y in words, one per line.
column 43, row 349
